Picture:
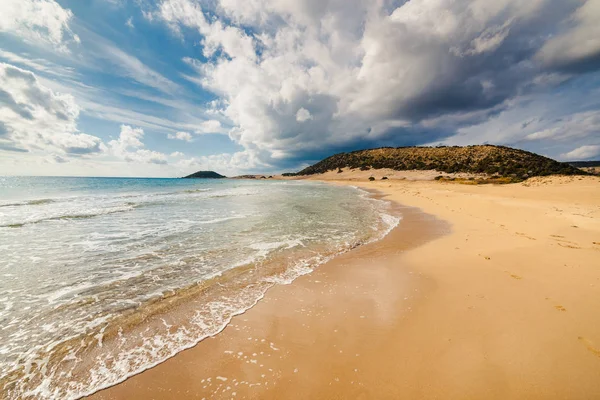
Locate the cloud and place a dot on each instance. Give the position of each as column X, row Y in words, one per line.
column 129, row 138
column 129, row 147
column 181, row 136
column 303, row 115
column 577, row 47
column 578, row 125
column 35, row 118
column 297, row 78
column 490, row 39
column 39, row 133
column 586, row 152
column 129, row 23
column 38, row 22
column 133, row 68
column 57, row 159
column 39, row 65
column 210, row 126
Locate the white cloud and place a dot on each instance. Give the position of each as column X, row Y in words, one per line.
column 210, row 126
column 232, row 40
column 582, row 153
column 38, row 22
column 147, row 156
column 129, row 138
column 129, row 147
column 303, row 115
column 35, row 118
column 129, row 23
column 180, row 136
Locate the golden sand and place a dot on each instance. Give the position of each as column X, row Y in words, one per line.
column 506, row 306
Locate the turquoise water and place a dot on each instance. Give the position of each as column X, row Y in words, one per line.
column 83, row 258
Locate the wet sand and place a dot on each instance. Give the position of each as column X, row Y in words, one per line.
column 503, row 307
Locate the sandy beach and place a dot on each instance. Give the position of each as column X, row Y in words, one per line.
column 482, row 292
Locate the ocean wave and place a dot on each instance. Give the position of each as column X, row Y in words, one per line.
column 37, row 202
column 223, row 219
column 68, row 217
column 129, row 199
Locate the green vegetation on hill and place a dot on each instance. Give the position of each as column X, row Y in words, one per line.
column 488, row 159
column 204, row 175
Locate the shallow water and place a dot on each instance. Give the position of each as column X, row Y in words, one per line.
column 96, row 272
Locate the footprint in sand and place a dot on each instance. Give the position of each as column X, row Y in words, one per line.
column 561, row 241
column 514, row 276
column 525, row 236
column 568, row 246
column 589, row 346
column 560, row 308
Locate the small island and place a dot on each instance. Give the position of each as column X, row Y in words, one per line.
column 205, row 175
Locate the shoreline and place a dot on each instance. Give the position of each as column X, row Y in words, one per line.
column 146, row 335
column 505, row 307
column 267, row 313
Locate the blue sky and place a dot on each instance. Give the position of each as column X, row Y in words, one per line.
column 167, row 87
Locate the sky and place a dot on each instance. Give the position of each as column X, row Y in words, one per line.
column 168, row 87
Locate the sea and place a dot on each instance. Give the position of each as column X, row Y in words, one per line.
column 102, row 278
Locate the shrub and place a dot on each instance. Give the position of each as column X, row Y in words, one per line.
column 384, row 178
column 371, row 178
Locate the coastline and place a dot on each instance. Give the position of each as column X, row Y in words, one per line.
column 281, row 326
column 503, row 307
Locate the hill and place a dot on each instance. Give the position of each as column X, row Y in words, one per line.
column 492, row 160
column 205, row 175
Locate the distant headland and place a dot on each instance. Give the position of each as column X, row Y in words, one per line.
column 205, row 175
